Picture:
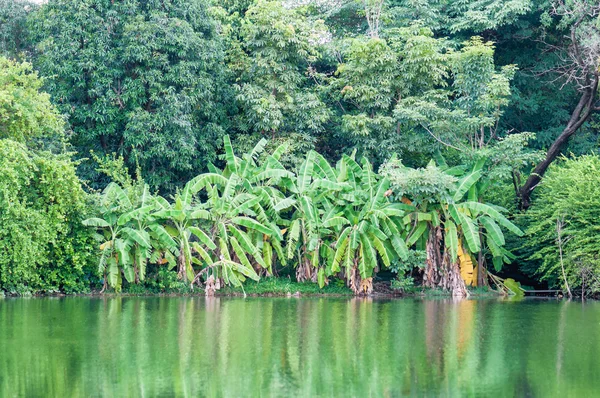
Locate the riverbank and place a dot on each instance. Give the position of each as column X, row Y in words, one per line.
column 270, row 287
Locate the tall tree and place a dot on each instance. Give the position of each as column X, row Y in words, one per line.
column 578, row 64
column 139, row 78
column 26, row 113
column 272, row 49
column 13, row 19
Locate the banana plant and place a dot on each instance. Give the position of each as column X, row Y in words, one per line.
column 179, row 220
column 310, row 233
column 239, row 218
column 441, row 223
column 235, row 245
column 125, row 241
column 343, row 222
column 370, row 226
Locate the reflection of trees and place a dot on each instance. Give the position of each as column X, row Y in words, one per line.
column 350, row 347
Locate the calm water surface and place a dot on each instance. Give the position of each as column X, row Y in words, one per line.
column 63, row 347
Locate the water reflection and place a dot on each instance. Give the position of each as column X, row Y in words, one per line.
column 303, row 347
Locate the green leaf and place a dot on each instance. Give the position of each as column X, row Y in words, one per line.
column 470, row 232
column 493, row 213
column 95, row 222
column 272, row 173
column 140, row 237
column 252, row 224
column 493, row 230
column 203, row 253
column 305, row 172
column 203, row 180
column 399, row 246
column 134, row 214
column 324, row 167
column 418, row 232
column 321, row 277
column 339, row 254
column 335, row 222
column 465, row 184
column 201, row 235
column 229, row 155
column 451, row 239
column 284, row 204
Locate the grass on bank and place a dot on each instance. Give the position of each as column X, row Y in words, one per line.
column 284, row 287
column 484, row 291
column 278, row 286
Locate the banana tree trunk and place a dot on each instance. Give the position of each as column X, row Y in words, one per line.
column 441, row 271
column 181, row 264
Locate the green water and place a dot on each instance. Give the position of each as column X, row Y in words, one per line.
column 63, row 347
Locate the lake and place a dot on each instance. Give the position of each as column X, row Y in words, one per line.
column 234, row 347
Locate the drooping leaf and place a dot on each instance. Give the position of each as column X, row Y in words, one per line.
column 451, row 239
column 465, row 184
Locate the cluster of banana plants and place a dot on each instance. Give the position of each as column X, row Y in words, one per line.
column 239, row 222
column 343, row 223
column 450, row 222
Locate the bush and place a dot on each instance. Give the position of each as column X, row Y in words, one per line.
column 569, row 195
column 43, row 246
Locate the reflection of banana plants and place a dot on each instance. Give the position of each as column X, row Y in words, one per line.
column 125, row 243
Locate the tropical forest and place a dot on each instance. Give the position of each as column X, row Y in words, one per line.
column 305, row 197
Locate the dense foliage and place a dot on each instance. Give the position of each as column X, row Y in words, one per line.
column 43, row 246
column 563, row 243
column 305, row 91
column 141, row 79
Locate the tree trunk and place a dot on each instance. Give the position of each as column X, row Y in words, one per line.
column 181, row 264
column 440, row 271
column 580, row 115
column 481, row 270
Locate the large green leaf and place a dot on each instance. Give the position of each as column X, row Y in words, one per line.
column 95, row 222
column 399, row 246
column 324, row 167
column 470, row 232
column 252, row 224
column 335, row 222
column 451, row 239
column 493, row 230
column 272, row 173
column 279, row 151
column 203, row 253
column 203, row 180
column 284, row 204
column 417, row 233
column 369, row 253
column 321, row 278
column 493, row 213
column 140, row 237
column 339, row 254
column 203, row 237
column 239, row 252
column 465, row 184
column 381, row 249
column 170, row 214
column 134, row 214
column 306, row 172
column 258, row 149
column 293, row 236
column 229, row 155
